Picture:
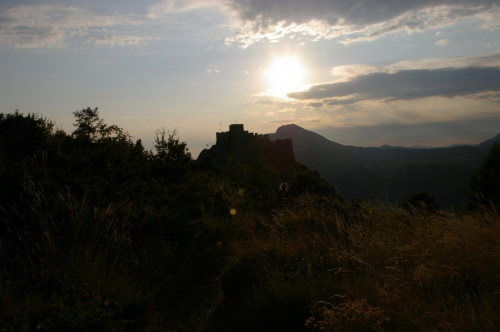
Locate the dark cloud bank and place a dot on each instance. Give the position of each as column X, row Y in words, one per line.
column 352, row 12
column 406, row 85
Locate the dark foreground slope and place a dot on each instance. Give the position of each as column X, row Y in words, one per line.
column 99, row 234
column 393, row 172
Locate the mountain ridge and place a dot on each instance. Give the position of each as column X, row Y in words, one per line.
column 395, row 172
column 284, row 132
column 490, row 141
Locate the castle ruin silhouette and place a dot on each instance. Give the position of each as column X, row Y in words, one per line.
column 238, row 146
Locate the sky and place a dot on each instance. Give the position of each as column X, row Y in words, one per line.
column 359, row 72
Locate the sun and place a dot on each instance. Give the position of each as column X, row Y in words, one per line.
column 285, row 74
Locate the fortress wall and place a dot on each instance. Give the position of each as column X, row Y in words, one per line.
column 239, row 146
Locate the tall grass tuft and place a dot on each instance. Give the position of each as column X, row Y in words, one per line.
column 72, row 239
column 65, row 264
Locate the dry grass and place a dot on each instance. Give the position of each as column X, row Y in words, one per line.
column 392, row 268
column 314, row 264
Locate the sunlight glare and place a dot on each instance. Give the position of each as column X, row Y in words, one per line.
column 285, row 75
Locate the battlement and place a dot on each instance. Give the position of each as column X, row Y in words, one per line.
column 236, row 132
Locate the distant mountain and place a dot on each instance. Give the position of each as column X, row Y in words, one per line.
column 310, row 146
column 393, row 172
column 391, row 147
column 490, row 142
column 460, row 144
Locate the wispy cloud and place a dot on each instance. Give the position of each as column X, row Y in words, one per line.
column 245, row 21
column 352, row 21
column 167, row 8
column 483, row 60
column 36, row 26
column 443, row 42
column 119, row 39
column 213, row 69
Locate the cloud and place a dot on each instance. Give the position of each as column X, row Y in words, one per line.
column 288, row 110
column 407, row 85
column 251, row 21
column 37, row 26
column 118, row 39
column 347, row 72
column 354, row 20
column 332, row 12
column 171, row 7
column 407, row 80
column 212, row 70
column 483, row 60
column 443, row 42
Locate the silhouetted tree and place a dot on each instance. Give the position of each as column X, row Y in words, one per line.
column 23, row 135
column 24, row 144
column 485, row 183
column 170, row 149
column 91, row 127
column 172, row 159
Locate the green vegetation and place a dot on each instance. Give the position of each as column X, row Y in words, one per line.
column 99, row 234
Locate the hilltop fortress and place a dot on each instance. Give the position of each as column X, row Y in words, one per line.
column 238, row 146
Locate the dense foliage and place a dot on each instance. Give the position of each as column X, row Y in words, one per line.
column 99, row 234
column 485, row 184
